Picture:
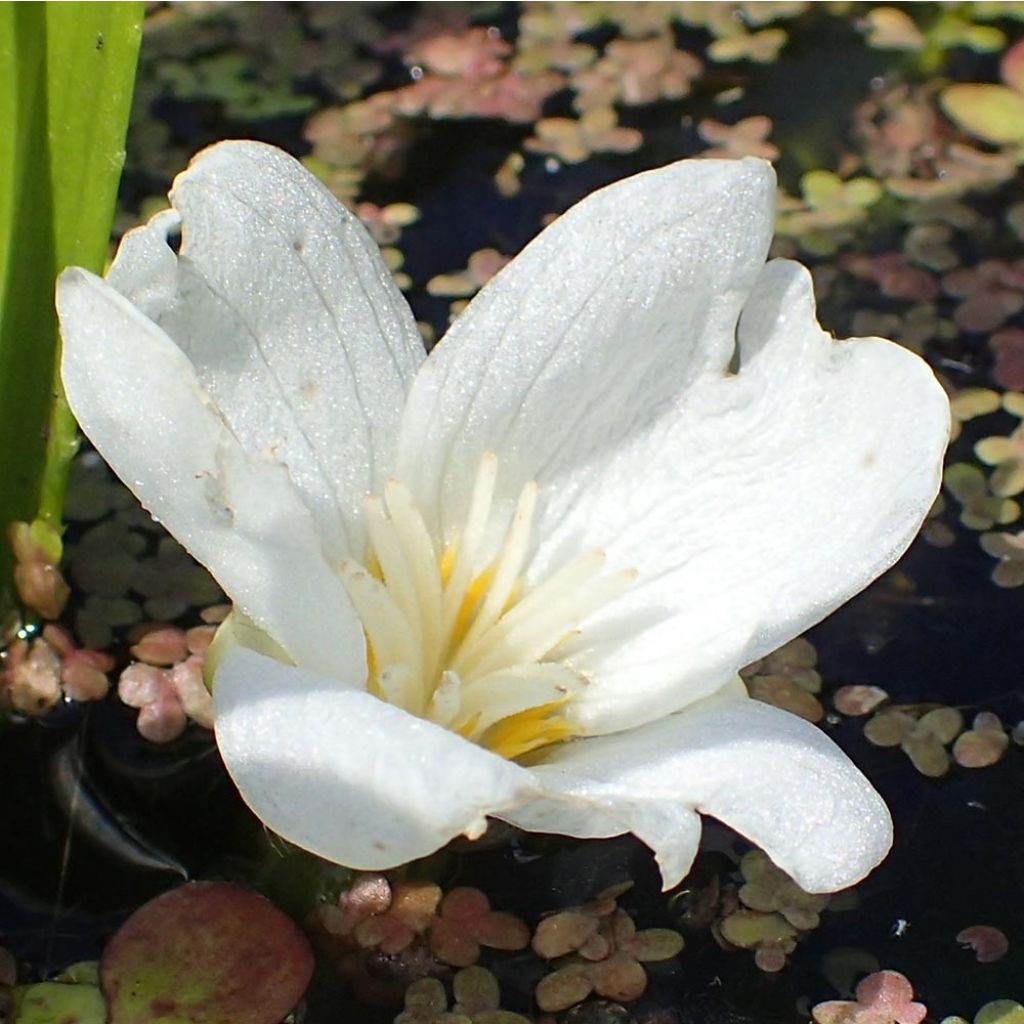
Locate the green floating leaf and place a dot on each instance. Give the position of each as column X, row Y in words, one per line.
column 66, row 75
column 1000, row 1011
column 54, row 1002
column 991, row 113
column 85, row 972
column 205, row 953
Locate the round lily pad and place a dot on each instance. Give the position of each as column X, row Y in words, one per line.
column 205, row 953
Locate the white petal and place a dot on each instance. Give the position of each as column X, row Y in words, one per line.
column 346, row 776
column 750, row 504
column 587, row 337
column 766, row 500
column 136, row 395
column 297, row 331
column 769, row 775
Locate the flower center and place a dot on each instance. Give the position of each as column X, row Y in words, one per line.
column 462, row 641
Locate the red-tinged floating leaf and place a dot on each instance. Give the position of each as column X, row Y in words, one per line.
column 1011, row 67
column 858, row 699
column 1008, row 347
column 499, row 930
column 890, row 995
column 770, row 959
column 464, row 904
column 452, row 944
column 888, row 990
column 989, row 944
column 383, row 932
column 205, row 953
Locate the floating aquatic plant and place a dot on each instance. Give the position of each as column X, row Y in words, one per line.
column 998, row 1011
column 166, row 682
column 597, row 948
column 988, row 943
column 1009, row 549
column 883, row 998
column 39, row 672
column 476, row 1000
column 923, row 735
column 205, row 953
column 992, row 113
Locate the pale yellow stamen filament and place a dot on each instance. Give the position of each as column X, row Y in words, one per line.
column 507, row 570
column 386, row 628
column 423, row 564
column 466, row 547
column 459, row 640
column 397, row 577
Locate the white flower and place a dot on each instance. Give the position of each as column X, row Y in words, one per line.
column 634, row 465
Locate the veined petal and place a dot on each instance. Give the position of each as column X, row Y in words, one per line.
column 347, row 776
column 281, row 300
column 136, row 395
column 769, row 775
column 749, row 503
column 767, row 499
column 590, row 335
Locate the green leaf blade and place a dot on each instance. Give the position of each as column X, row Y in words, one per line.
column 66, row 75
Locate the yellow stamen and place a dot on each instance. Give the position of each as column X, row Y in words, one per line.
column 467, row 609
column 447, row 562
column 372, row 683
column 373, row 566
column 521, row 734
column 454, row 633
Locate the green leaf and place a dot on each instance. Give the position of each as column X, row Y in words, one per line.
column 820, row 187
column 53, row 1002
column 991, row 113
column 66, row 75
column 1000, row 1011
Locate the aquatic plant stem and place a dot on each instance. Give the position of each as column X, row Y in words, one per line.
column 66, row 77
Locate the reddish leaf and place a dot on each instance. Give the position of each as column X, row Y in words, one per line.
column 205, row 953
